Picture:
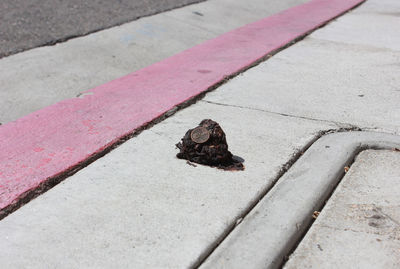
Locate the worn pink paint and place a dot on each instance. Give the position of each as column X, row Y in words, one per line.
column 48, row 142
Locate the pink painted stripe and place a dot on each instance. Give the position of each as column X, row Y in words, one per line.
column 48, row 142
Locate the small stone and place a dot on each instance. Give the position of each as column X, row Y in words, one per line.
column 315, row 214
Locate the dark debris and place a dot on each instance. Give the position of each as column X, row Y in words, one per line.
column 214, row 152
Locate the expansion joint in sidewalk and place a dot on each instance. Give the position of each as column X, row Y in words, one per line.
column 337, row 123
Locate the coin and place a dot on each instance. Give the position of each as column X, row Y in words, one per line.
column 200, row 135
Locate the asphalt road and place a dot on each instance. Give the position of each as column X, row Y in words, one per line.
column 26, row 24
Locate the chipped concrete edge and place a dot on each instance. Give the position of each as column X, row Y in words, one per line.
column 273, row 228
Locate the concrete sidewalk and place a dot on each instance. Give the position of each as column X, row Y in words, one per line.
column 140, row 207
column 360, row 225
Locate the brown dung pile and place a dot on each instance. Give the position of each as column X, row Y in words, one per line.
column 206, row 144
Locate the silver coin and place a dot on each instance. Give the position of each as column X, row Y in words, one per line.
column 200, row 135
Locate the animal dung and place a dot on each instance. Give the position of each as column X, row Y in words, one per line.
column 206, row 144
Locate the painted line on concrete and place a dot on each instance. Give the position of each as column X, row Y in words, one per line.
column 275, row 225
column 42, row 148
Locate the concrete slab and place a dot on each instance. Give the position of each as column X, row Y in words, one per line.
column 273, row 227
column 354, row 84
column 388, row 7
column 360, row 225
column 43, row 76
column 140, row 206
column 367, row 26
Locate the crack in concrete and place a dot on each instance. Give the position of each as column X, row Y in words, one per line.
column 353, row 46
column 337, row 123
column 352, row 230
